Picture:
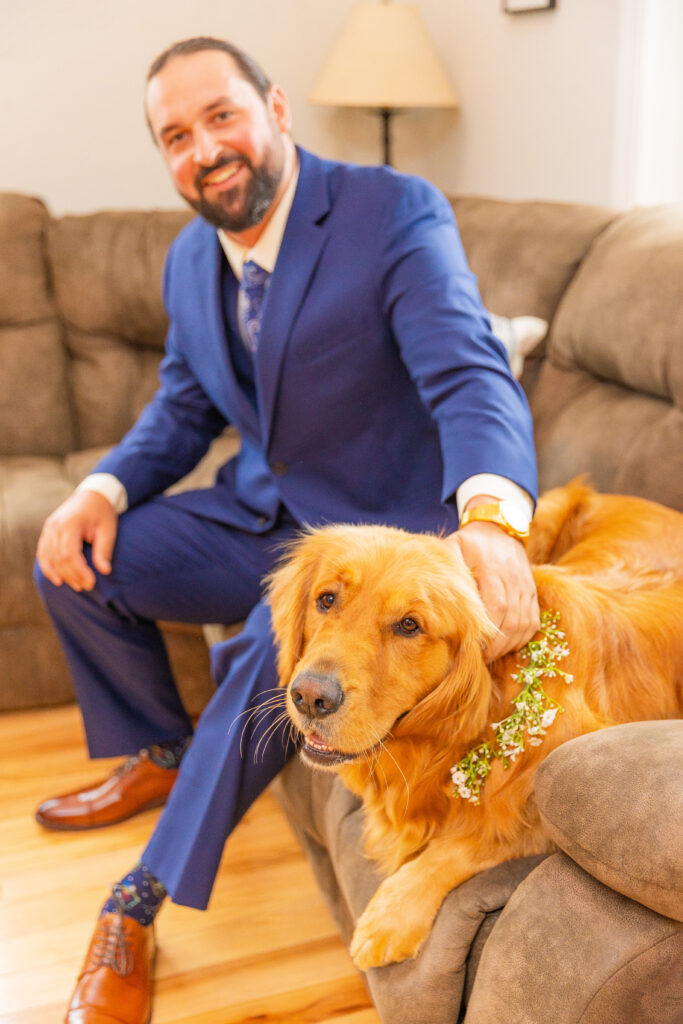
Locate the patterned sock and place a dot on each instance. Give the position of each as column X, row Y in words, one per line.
column 170, row 753
column 139, row 895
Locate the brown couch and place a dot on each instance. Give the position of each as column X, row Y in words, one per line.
column 591, row 933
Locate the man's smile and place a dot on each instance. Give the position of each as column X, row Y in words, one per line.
column 222, row 174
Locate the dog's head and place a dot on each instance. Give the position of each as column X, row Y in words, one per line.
column 378, row 631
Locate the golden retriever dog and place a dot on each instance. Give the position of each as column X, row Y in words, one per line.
column 380, row 636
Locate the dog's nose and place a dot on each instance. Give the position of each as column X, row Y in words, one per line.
column 315, row 695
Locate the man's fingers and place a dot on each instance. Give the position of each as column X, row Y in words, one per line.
column 49, row 571
column 85, row 517
column 103, row 545
column 519, row 625
column 69, row 558
column 506, row 585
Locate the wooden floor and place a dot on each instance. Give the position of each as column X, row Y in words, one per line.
column 267, row 949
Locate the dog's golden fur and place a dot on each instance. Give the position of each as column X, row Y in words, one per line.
column 413, row 705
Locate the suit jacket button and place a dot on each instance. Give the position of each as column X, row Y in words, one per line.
column 262, row 521
column 279, row 468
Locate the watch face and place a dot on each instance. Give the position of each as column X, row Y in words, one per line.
column 514, row 516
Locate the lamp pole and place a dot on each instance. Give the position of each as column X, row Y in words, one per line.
column 385, row 114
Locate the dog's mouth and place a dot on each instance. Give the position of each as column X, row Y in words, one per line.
column 317, row 752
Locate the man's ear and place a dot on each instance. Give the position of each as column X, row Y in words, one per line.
column 278, row 105
column 287, row 592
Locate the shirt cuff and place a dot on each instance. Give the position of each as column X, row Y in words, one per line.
column 109, row 486
column 498, row 487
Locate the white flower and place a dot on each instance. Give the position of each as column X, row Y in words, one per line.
column 535, row 741
column 512, row 750
column 548, row 717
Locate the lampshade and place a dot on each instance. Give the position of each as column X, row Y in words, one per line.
column 384, row 58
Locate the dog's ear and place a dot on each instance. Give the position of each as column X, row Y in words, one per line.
column 460, row 701
column 287, row 593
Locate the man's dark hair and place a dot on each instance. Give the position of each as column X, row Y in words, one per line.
column 249, row 69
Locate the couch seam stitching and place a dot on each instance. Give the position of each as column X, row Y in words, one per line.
column 621, row 968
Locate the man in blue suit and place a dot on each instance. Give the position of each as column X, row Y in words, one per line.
column 332, row 318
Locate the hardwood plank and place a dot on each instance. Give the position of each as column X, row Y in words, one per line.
column 267, row 950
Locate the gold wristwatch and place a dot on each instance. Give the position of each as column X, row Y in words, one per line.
column 506, row 514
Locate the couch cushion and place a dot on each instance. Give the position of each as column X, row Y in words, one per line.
column 609, row 399
column 30, row 488
column 32, row 667
column 35, row 407
column 613, row 801
column 627, row 442
column 35, row 413
column 107, row 281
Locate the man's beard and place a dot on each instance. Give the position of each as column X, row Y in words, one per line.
column 227, row 212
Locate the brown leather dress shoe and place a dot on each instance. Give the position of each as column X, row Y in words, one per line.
column 115, row 985
column 134, row 786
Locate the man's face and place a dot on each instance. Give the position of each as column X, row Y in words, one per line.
column 223, row 145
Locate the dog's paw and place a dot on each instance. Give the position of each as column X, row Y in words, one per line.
column 388, row 932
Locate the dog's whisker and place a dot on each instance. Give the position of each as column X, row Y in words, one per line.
column 250, row 712
column 293, row 734
column 263, row 738
column 264, row 712
column 268, row 735
column 273, row 730
column 274, row 701
column 377, row 749
column 371, row 754
column 385, row 748
column 255, row 715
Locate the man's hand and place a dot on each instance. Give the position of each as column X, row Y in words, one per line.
column 85, row 517
column 501, row 569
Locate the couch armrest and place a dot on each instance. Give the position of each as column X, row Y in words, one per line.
column 577, row 946
column 328, row 821
column 613, row 801
column 568, row 950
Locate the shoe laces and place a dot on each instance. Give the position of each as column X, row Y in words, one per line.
column 112, row 945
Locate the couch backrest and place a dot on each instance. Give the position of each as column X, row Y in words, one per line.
column 525, row 253
column 82, row 327
column 106, row 275
column 35, row 416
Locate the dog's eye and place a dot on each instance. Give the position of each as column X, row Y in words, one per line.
column 407, row 627
column 325, row 601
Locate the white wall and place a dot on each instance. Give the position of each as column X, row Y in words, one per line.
column 542, row 95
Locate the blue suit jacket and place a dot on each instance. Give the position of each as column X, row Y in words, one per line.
column 380, row 385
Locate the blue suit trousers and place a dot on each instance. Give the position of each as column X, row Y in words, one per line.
column 174, row 565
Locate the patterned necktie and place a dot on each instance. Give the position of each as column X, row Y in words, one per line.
column 253, row 288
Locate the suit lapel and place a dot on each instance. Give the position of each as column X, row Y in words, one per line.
column 303, row 242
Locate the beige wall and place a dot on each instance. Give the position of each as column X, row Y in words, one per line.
column 543, row 95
